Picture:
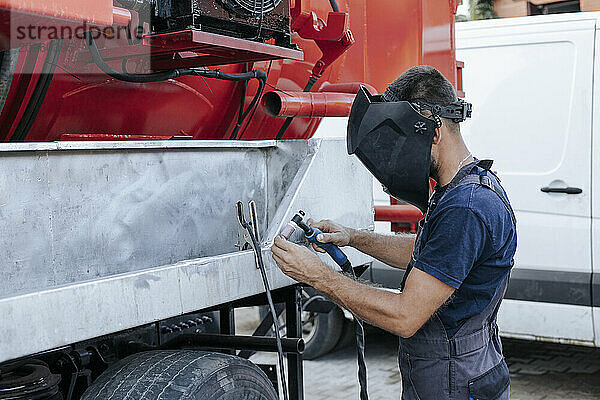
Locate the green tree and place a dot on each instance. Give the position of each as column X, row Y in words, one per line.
column 481, row 9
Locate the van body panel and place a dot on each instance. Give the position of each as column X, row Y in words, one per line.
column 531, row 85
column 596, row 191
column 524, row 319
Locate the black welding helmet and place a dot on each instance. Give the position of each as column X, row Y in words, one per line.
column 393, row 140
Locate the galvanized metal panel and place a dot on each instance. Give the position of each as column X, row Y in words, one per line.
column 73, row 216
column 96, row 241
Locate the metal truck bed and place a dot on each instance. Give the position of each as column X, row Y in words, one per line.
column 98, row 237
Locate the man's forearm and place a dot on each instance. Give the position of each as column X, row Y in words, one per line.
column 401, row 313
column 375, row 306
column 394, row 250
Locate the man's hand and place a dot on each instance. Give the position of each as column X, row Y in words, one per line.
column 332, row 233
column 297, row 262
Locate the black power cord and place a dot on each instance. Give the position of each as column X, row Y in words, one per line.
column 261, row 76
column 340, row 258
column 240, row 119
column 254, row 102
column 39, row 93
column 334, row 5
column 254, row 110
column 265, row 280
column 309, row 85
column 244, row 77
column 359, row 334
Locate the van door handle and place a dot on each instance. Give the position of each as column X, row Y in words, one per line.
column 567, row 190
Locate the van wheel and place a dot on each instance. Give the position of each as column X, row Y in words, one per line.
column 182, row 374
column 320, row 331
column 323, row 334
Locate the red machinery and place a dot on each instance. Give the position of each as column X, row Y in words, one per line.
column 51, row 90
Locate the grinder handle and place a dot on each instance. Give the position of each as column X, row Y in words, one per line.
column 338, row 256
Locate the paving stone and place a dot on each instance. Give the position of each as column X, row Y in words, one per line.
column 536, row 371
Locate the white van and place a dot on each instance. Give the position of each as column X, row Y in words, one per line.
column 535, row 87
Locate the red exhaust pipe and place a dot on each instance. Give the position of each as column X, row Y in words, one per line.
column 307, row 104
column 398, row 213
column 332, row 100
column 347, row 87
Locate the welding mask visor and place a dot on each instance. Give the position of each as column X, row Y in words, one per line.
column 393, row 140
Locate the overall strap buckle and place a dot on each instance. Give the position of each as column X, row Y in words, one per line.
column 452, row 344
column 485, row 164
column 486, row 181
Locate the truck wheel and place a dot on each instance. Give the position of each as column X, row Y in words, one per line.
column 320, row 331
column 323, row 334
column 182, row 374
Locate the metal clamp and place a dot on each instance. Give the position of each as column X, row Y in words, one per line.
column 244, row 228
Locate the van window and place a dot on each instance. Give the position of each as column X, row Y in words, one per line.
column 523, row 127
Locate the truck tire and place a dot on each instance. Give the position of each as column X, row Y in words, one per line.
column 325, row 334
column 321, row 331
column 182, row 374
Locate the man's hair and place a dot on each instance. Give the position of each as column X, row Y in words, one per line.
column 426, row 83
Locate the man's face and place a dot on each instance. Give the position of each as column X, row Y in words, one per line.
column 437, row 147
column 434, row 166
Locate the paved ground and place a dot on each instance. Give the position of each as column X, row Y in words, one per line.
column 539, row 371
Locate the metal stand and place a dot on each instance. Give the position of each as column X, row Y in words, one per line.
column 227, row 324
column 293, row 323
column 292, row 298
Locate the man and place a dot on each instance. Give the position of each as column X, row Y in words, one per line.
column 459, row 262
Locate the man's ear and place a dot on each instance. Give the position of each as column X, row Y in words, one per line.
column 438, row 136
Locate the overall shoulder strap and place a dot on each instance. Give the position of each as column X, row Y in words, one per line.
column 486, row 181
column 468, row 175
column 462, row 174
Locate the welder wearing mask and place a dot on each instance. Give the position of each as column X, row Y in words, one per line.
column 458, row 264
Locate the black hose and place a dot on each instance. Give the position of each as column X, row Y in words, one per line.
column 240, row 120
column 334, row 5
column 255, row 108
column 253, row 104
column 39, row 93
column 261, row 87
column 244, row 77
column 166, row 75
column 359, row 334
column 265, row 280
column 311, row 82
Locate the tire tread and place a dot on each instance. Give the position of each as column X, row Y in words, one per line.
column 181, row 375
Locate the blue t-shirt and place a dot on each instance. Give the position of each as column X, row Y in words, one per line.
column 469, row 244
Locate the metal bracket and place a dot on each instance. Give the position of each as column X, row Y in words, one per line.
column 244, row 228
column 332, row 37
